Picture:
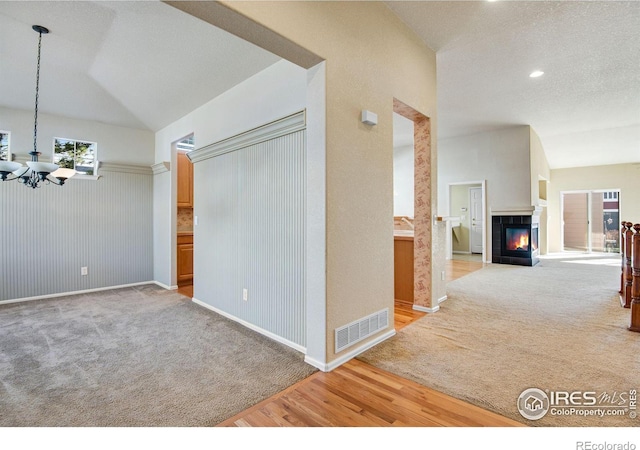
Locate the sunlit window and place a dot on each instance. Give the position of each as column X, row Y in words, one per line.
column 74, row 154
column 4, row 145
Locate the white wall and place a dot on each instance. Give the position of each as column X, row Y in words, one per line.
column 500, row 157
column 540, row 174
column 403, row 166
column 403, row 185
column 115, row 144
column 539, row 166
column 275, row 92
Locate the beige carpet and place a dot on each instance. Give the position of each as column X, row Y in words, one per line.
column 138, row 357
column 557, row 326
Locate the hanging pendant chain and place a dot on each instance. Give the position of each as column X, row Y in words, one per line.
column 35, row 117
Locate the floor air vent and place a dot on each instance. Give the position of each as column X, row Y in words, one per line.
column 353, row 332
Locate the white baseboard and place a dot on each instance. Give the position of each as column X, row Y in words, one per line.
column 315, row 363
column 84, row 291
column 441, row 299
column 350, row 355
column 425, row 309
column 251, row 326
column 164, row 286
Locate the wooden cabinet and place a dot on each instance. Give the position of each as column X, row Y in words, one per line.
column 185, row 259
column 403, row 268
column 185, row 181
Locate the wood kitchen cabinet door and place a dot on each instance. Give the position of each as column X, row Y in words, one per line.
column 185, row 259
column 185, row 181
column 185, row 263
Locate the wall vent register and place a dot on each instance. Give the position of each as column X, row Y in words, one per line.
column 354, row 332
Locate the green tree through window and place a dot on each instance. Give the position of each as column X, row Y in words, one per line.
column 77, row 155
column 4, row 146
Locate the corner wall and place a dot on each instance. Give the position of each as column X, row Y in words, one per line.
column 369, row 62
column 275, row 92
column 618, row 176
column 540, row 174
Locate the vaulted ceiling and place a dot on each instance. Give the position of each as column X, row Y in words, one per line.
column 144, row 64
column 138, row 64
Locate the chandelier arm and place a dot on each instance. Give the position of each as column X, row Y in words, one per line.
column 55, row 180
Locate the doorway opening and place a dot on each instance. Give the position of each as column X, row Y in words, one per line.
column 466, row 238
column 591, row 221
column 418, row 267
column 184, row 216
column 403, row 217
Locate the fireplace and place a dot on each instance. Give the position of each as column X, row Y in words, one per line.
column 515, row 240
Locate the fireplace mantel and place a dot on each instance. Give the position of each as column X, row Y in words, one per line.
column 516, row 211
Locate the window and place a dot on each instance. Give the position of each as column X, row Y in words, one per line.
column 78, row 155
column 186, row 144
column 4, row 145
column 611, row 195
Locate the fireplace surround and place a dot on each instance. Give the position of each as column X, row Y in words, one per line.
column 515, row 239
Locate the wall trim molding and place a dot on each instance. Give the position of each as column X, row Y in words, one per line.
column 125, row 168
column 281, row 127
column 516, row 210
column 425, row 309
column 328, row 367
column 65, row 294
column 164, row 286
column 441, row 299
column 161, row 167
column 251, row 326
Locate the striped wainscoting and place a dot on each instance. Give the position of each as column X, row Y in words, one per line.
column 48, row 234
column 250, row 204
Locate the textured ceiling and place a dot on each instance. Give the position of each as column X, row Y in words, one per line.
column 585, row 108
column 144, row 64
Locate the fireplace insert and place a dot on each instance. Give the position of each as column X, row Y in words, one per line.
column 515, row 240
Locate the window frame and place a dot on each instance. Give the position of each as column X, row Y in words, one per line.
column 79, row 174
column 8, row 134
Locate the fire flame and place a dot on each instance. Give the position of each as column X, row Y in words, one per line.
column 519, row 242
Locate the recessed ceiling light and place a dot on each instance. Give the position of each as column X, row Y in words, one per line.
column 536, row 74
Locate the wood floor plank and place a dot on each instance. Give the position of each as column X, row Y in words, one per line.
column 338, row 403
column 357, row 394
column 309, row 411
column 411, row 409
column 349, row 398
column 371, row 403
column 289, row 414
column 428, row 397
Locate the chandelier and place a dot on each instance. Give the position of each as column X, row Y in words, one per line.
column 35, row 173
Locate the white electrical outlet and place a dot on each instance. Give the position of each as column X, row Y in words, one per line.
column 84, row 271
column 245, row 294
